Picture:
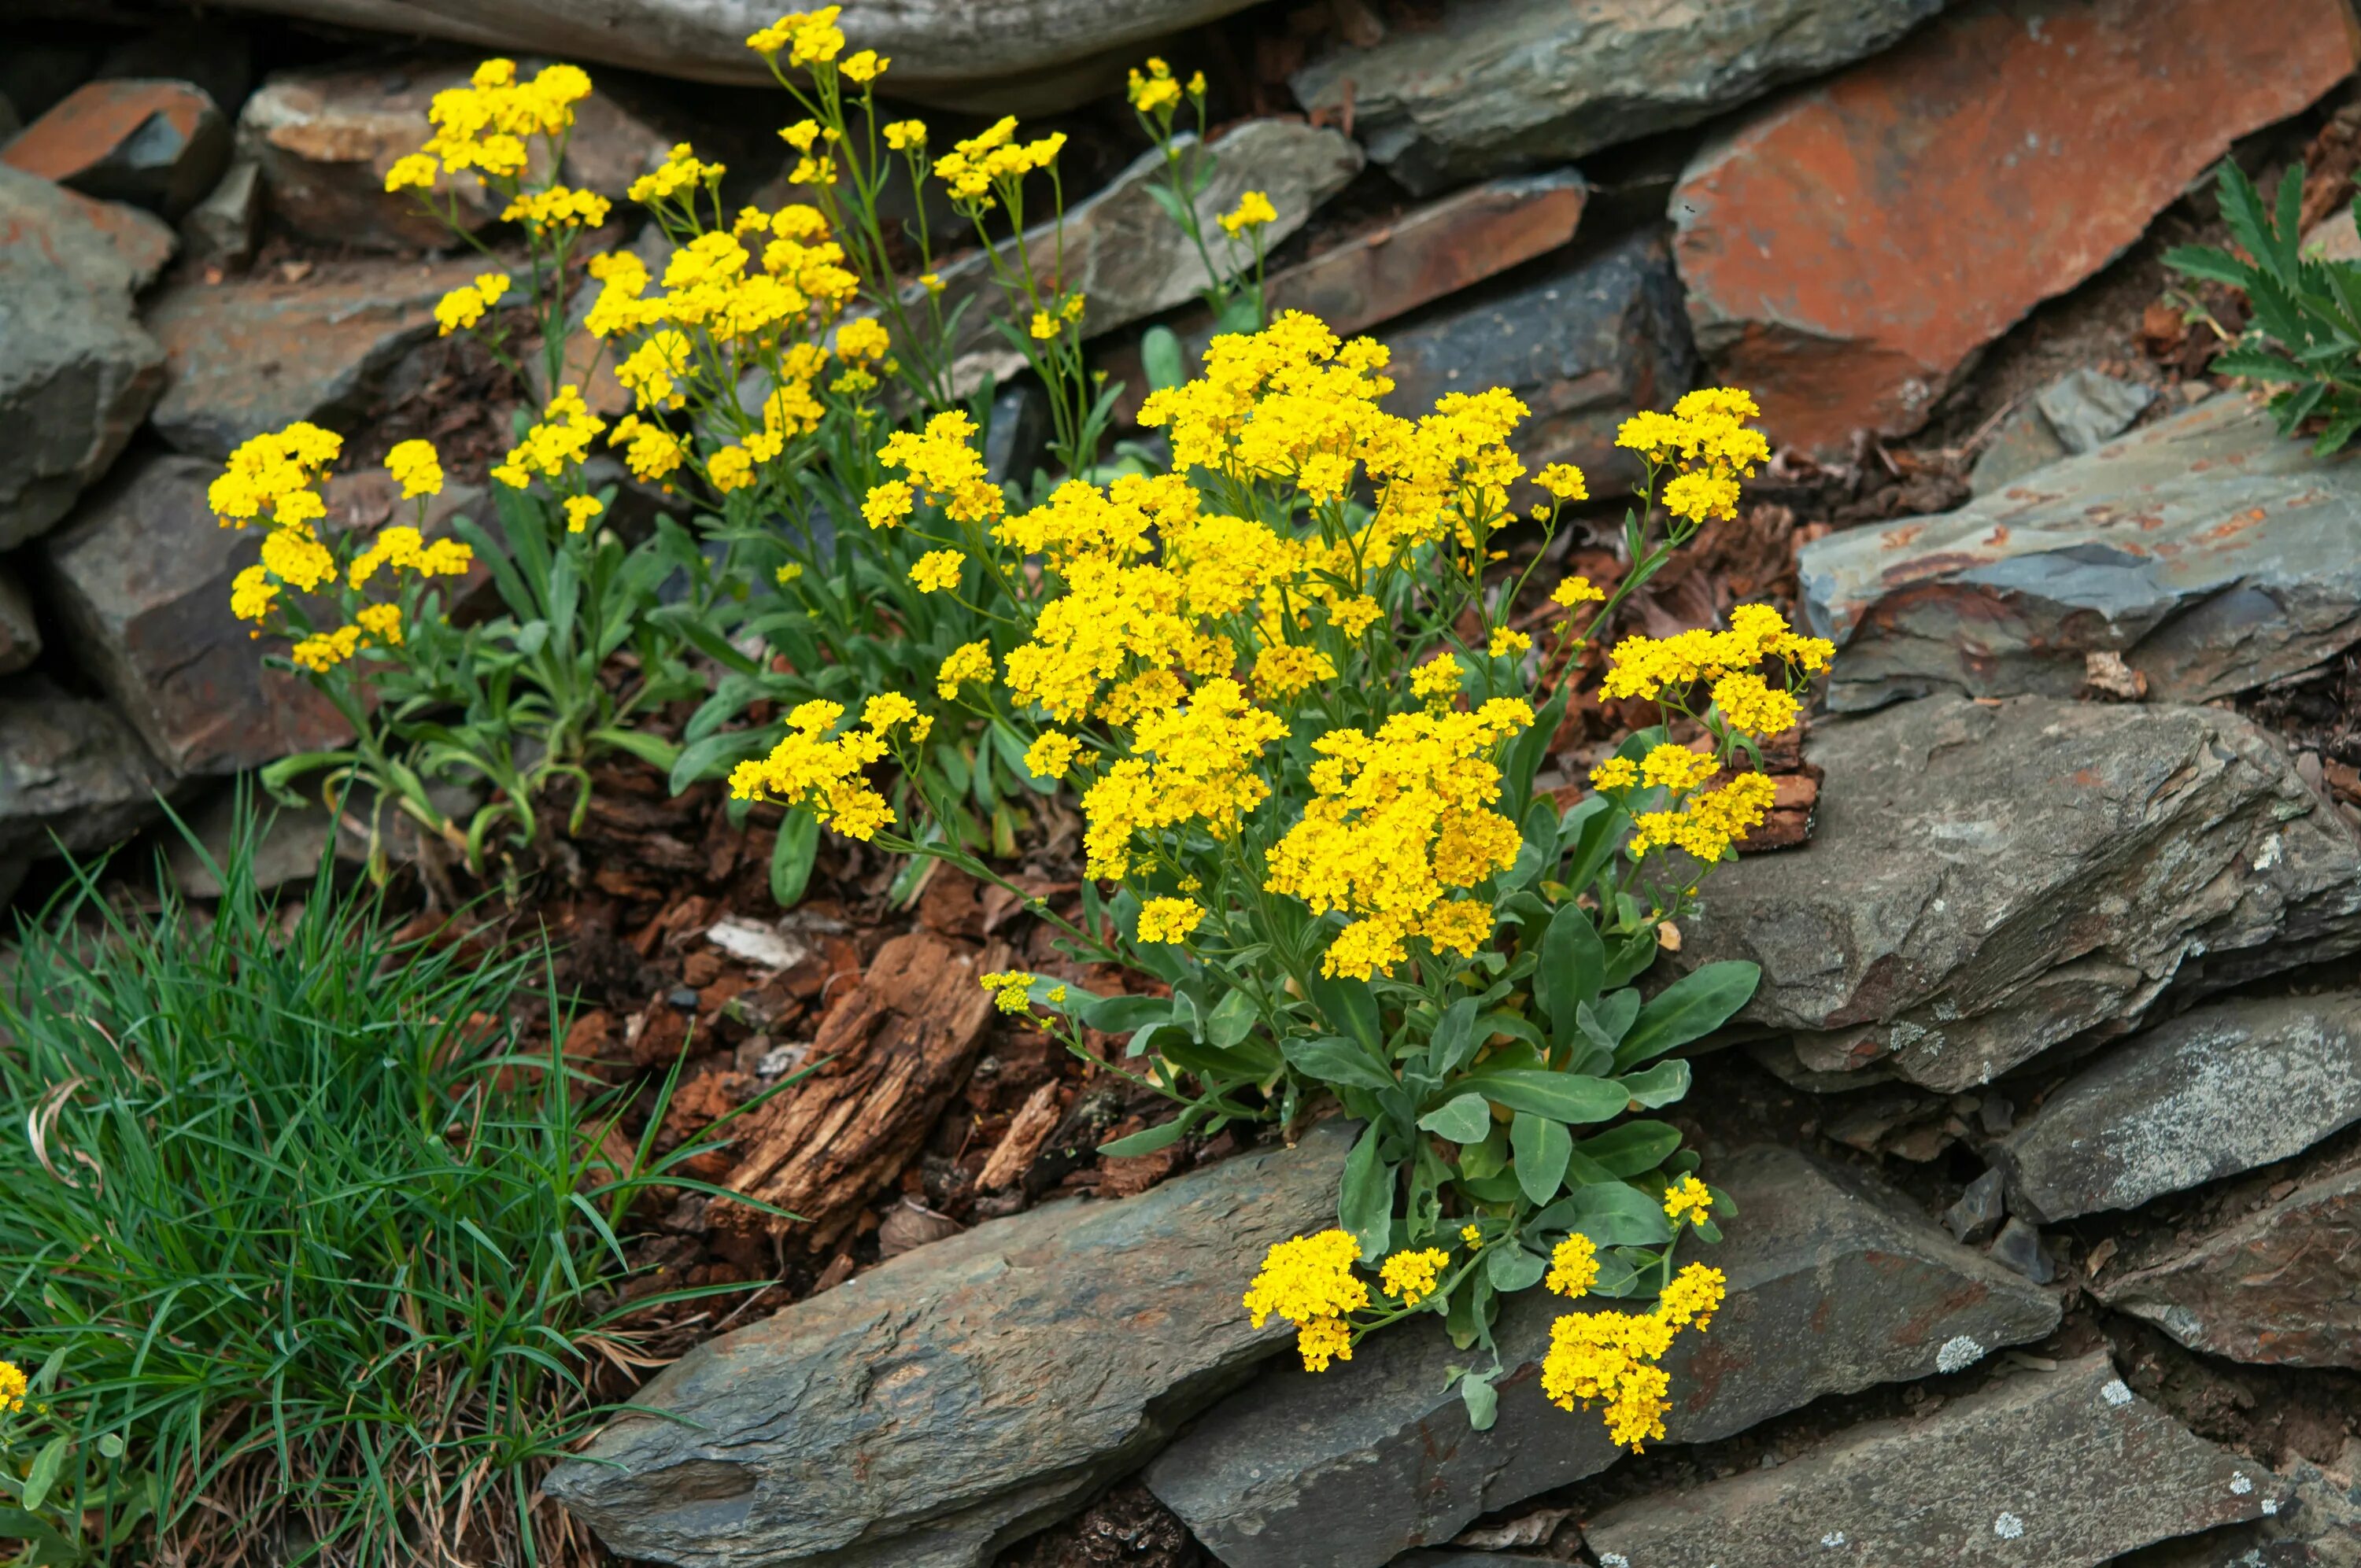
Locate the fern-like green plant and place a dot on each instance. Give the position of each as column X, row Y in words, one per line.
column 2304, row 336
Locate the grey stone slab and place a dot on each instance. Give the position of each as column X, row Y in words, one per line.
column 2212, row 554
column 1986, row 881
column 20, row 634
column 1494, row 85
column 72, row 773
column 961, row 1395
column 2222, row 1088
column 2088, row 408
column 2063, row 1469
column 1834, row 1286
column 2282, row 1286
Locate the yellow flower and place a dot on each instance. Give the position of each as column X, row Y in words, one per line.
column 1614, row 773
column 1169, row 919
column 1506, row 642
column 1694, row 1294
column 1322, row 1340
column 887, row 504
column 1154, row 93
column 465, row 305
column 1687, row 1198
column 1011, row 994
column 809, row 769
column 415, row 171
column 1565, row 481
column 1471, row 1236
column 906, row 136
column 1286, row 668
column 1052, row 753
column 1572, row 591
column 1438, row 679
column 969, row 664
column 1413, row 1275
column 251, row 594
column 1574, row 1266
column 863, row 68
column 382, row 621
column 579, row 510
column 937, row 571
column 1752, row 707
column 13, row 1385
column 1307, row 1280
column 1045, row 325
column 863, row 338
column 1252, row 211
column 416, row 468
column 1676, row 768
column 1698, row 497
column 787, row 573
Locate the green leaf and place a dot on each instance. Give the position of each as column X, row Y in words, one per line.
column 1562, row 1096
column 1160, row 356
column 1463, row 1119
column 1615, row 1215
column 1512, row 1269
column 1659, row 1085
column 1630, row 957
column 1483, row 1400
column 1352, row 1006
column 791, row 854
column 1573, row 964
column 1118, row 1015
column 1365, row 1202
column 2204, row 261
column 1232, row 1019
column 1455, row 1039
column 1333, row 1060
column 1542, row 1147
column 1690, row 1008
column 714, row 756
column 1631, row 1148
column 1151, row 1140
column 1605, row 1022
column 1486, row 1157
column 47, row 1465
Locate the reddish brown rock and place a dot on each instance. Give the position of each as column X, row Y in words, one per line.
column 1848, row 249
column 158, row 144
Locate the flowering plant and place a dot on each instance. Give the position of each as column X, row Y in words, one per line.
column 1305, row 733
column 62, row 1493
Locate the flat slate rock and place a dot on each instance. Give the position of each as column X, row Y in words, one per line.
column 1834, row 1286
column 2212, row 554
column 2064, row 1469
column 962, row 1394
column 2282, row 1286
column 1985, row 882
column 257, row 353
column 1494, row 85
column 2222, row 1088
column 71, row 773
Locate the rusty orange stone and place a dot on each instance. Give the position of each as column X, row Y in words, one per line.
column 1848, row 249
column 159, row 145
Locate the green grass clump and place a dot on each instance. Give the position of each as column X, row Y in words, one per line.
column 292, row 1209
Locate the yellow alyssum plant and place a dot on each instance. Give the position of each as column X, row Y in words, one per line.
column 1289, row 686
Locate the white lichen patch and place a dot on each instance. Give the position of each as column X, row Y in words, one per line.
column 2117, row 1392
column 2241, row 1483
column 1613, row 1560
column 2008, row 1527
column 1833, row 1540
column 1959, row 1351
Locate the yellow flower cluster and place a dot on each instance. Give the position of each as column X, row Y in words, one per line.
column 465, row 305
column 944, row 466
column 1309, row 1281
column 1613, row 1357
column 484, row 126
column 559, row 441
column 1644, row 666
column 1189, row 763
column 1011, row 990
column 991, row 157
column 681, row 171
column 1052, row 753
column 1413, row 1275
column 404, row 549
column 969, row 664
column 823, row 775
column 1574, row 1266
column 416, row 468
column 13, row 1386
column 1687, row 1198
column 560, row 207
column 1706, row 441
column 1398, row 821
column 1252, row 211
column 808, row 37
column 1158, row 92
column 1168, row 920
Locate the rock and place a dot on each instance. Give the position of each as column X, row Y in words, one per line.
column 1987, row 880
column 2018, row 1247
column 2282, row 1286
column 325, row 138
column 1834, row 1286
column 2020, row 444
column 142, row 577
column 20, row 634
column 1128, row 258
column 286, row 847
column 210, row 52
column 2318, row 1526
column 1582, row 345
column 2064, row 1469
column 1979, row 1210
column 219, row 230
column 253, row 353
column 2222, row 1089
column 1434, row 250
column 1501, row 84
column 37, row 72
column 960, row 1395
column 1849, row 248
column 2334, row 239
column 947, row 53
column 77, row 374
column 72, row 773
column 156, row 144
column 2087, row 410
column 2212, row 555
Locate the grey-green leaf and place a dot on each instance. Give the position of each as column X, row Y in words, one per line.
column 1333, row 1060
column 1483, row 1400
column 1690, row 1008
column 1542, row 1147
column 1463, row 1119
column 1563, row 1096
column 1513, row 1269
column 1573, row 962
column 1659, row 1085
column 1364, row 1204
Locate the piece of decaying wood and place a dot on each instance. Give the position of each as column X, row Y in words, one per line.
column 896, row 1047
column 1028, row 1131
